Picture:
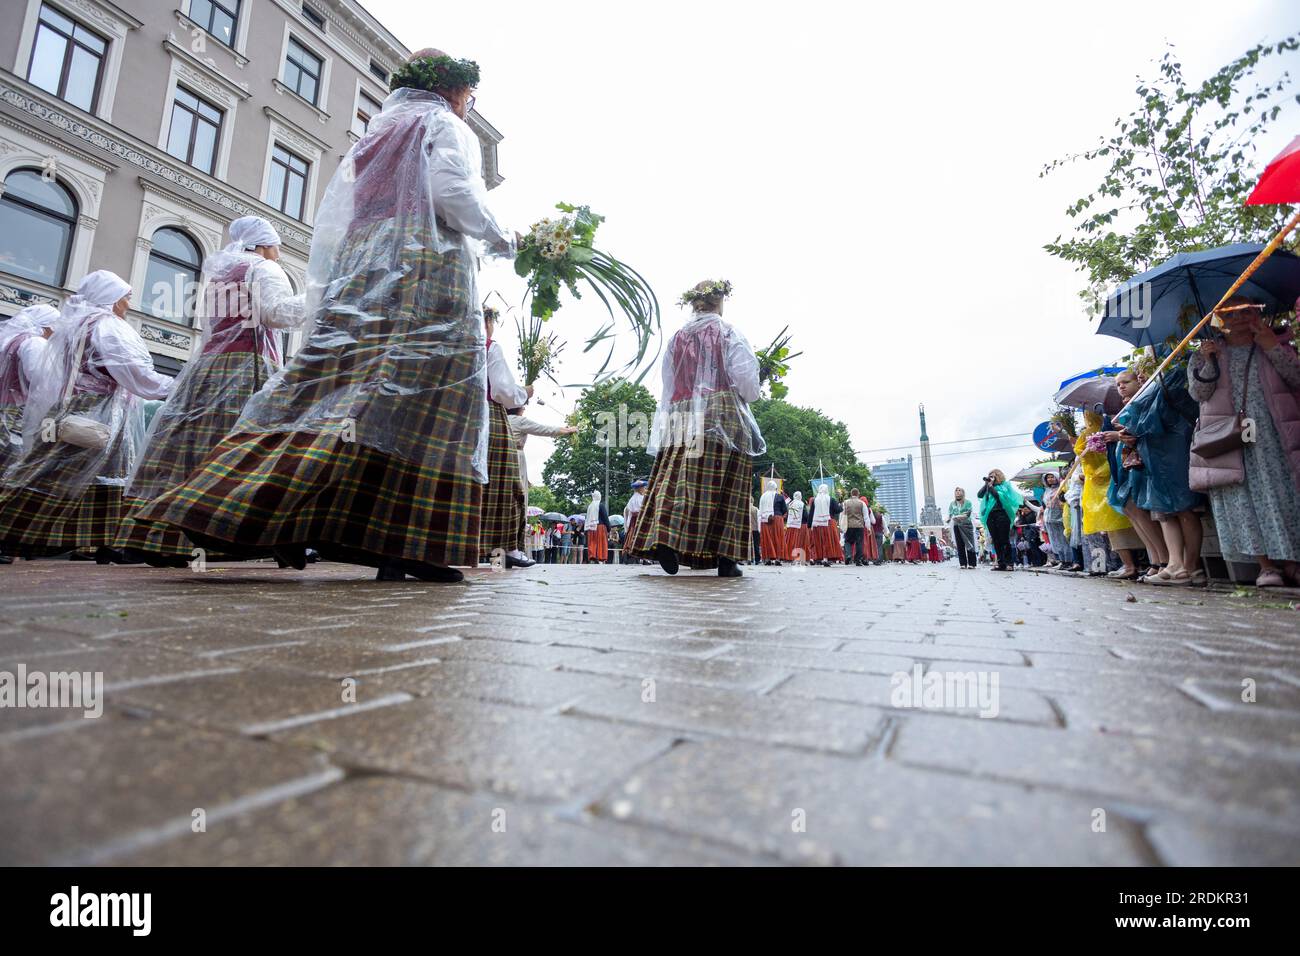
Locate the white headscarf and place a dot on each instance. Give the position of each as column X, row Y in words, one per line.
column 32, row 320
column 822, row 506
column 593, row 511
column 767, row 502
column 249, row 232
column 796, row 508
column 101, row 288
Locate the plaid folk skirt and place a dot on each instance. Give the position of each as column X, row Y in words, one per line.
column 39, row 524
column 196, row 417
column 392, row 378
column 698, row 506
column 501, row 525
column 260, row 491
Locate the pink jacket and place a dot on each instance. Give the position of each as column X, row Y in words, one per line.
column 1283, row 405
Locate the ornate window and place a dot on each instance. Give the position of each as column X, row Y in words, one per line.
column 67, row 59
column 286, row 188
column 302, row 71
column 195, row 130
column 38, row 217
column 172, row 277
column 218, row 17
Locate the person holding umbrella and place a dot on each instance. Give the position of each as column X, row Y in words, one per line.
column 1254, row 486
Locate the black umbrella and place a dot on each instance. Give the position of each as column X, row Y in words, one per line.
column 1171, row 298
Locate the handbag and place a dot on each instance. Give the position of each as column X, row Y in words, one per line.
column 1226, row 435
column 1131, row 458
column 80, row 430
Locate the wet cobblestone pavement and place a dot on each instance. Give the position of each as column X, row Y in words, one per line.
column 613, row 715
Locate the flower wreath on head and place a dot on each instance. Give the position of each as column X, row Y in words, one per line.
column 718, row 287
column 433, row 73
column 491, row 314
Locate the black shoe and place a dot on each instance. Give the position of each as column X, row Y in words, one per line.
column 291, row 556
column 728, row 569
column 107, row 555
column 521, row 562
column 397, row 569
column 667, row 559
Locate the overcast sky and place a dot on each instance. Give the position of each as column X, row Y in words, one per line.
column 867, row 174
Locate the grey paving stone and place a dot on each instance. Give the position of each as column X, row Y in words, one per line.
column 115, row 785
column 1178, row 774
column 256, row 701
column 860, row 812
column 506, row 683
column 687, row 708
column 394, row 822
column 476, row 745
column 877, row 691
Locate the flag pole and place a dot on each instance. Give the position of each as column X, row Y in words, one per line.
column 1264, row 253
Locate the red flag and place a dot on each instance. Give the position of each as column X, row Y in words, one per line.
column 1280, row 181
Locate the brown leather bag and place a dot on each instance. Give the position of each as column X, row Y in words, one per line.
column 1211, row 441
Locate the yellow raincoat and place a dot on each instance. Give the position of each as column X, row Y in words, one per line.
column 1098, row 515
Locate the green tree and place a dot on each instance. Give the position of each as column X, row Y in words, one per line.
column 625, row 411
column 797, row 437
column 1181, row 166
column 544, row 498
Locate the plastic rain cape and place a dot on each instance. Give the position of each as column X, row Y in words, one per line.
column 395, row 357
column 57, row 468
column 710, row 376
column 17, row 334
column 246, row 302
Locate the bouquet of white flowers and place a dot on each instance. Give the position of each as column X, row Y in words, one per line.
column 558, row 252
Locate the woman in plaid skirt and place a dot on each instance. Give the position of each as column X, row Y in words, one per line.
column 371, row 446
column 23, row 341
column 247, row 299
column 82, row 428
column 501, row 526
column 696, row 511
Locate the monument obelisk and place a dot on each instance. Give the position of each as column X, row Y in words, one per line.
column 930, row 515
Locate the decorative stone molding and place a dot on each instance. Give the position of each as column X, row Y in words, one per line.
column 163, row 335
column 285, row 91
column 291, row 134
column 19, row 297
column 204, row 75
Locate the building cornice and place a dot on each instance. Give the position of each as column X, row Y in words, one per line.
column 206, row 68
column 88, row 131
column 277, row 117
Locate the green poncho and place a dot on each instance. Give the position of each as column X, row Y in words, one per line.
column 1005, row 495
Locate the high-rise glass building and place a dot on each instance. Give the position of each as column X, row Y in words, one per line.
column 896, row 490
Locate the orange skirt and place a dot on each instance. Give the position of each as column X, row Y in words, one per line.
column 598, row 543
column 771, row 540
column 796, row 543
column 826, row 542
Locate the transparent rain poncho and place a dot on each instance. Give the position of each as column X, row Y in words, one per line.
column 246, row 304
column 110, row 370
column 22, row 346
column 710, row 376
column 395, row 358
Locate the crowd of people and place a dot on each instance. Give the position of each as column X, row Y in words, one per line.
column 1216, row 437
